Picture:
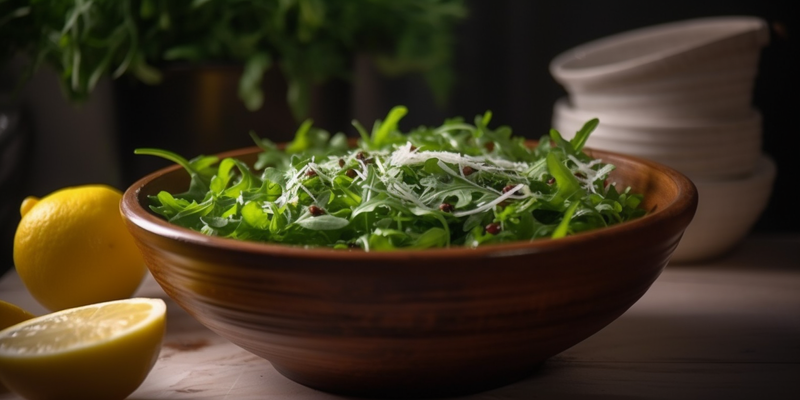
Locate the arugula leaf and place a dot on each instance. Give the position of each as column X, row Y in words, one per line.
column 582, row 135
column 323, row 223
column 381, row 135
column 563, row 226
column 199, row 169
column 568, row 186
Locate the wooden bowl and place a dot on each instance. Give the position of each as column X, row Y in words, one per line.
column 429, row 323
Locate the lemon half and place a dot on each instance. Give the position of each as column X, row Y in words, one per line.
column 99, row 351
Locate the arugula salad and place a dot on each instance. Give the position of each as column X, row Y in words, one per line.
column 458, row 184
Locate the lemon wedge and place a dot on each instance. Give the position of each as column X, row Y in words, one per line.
column 11, row 314
column 98, row 351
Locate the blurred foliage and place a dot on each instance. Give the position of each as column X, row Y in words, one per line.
column 309, row 40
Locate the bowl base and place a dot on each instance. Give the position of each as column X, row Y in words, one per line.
column 421, row 388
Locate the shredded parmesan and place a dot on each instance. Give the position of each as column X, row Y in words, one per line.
column 490, row 204
column 589, row 176
column 405, row 156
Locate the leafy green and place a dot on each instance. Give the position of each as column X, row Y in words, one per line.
column 309, row 41
column 457, row 184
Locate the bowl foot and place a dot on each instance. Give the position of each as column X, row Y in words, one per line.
column 421, row 386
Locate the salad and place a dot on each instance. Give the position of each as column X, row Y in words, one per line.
column 458, row 184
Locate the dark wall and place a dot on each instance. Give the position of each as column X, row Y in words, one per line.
column 504, row 49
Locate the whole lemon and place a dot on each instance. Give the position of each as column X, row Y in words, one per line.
column 71, row 248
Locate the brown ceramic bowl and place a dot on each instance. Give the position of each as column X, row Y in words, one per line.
column 414, row 323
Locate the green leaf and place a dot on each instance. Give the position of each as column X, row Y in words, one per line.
column 582, row 135
column 568, row 186
column 563, row 226
column 380, row 136
column 433, row 237
column 323, row 223
column 198, row 171
column 250, row 82
column 307, row 138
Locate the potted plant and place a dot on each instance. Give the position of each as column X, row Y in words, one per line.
column 271, row 57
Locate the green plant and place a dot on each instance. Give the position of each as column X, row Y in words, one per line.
column 309, row 40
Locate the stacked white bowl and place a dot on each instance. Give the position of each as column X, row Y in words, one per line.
column 679, row 94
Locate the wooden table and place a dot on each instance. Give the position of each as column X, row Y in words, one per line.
column 727, row 329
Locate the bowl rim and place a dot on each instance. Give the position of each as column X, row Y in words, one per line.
column 683, row 205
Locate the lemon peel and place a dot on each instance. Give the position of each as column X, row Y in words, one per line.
column 11, row 314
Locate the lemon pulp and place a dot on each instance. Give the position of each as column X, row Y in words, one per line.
column 102, row 351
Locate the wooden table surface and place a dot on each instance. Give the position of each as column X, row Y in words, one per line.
column 725, row 329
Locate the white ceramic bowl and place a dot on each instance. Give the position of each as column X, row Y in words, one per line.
column 688, row 149
column 727, row 210
column 701, row 45
column 628, row 124
column 718, row 167
column 696, row 67
column 723, row 162
column 718, row 95
column 720, row 148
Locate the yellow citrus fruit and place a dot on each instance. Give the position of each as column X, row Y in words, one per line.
column 11, row 314
column 99, row 351
column 71, row 248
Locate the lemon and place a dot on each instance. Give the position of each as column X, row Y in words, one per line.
column 99, row 351
column 71, row 248
column 11, row 314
